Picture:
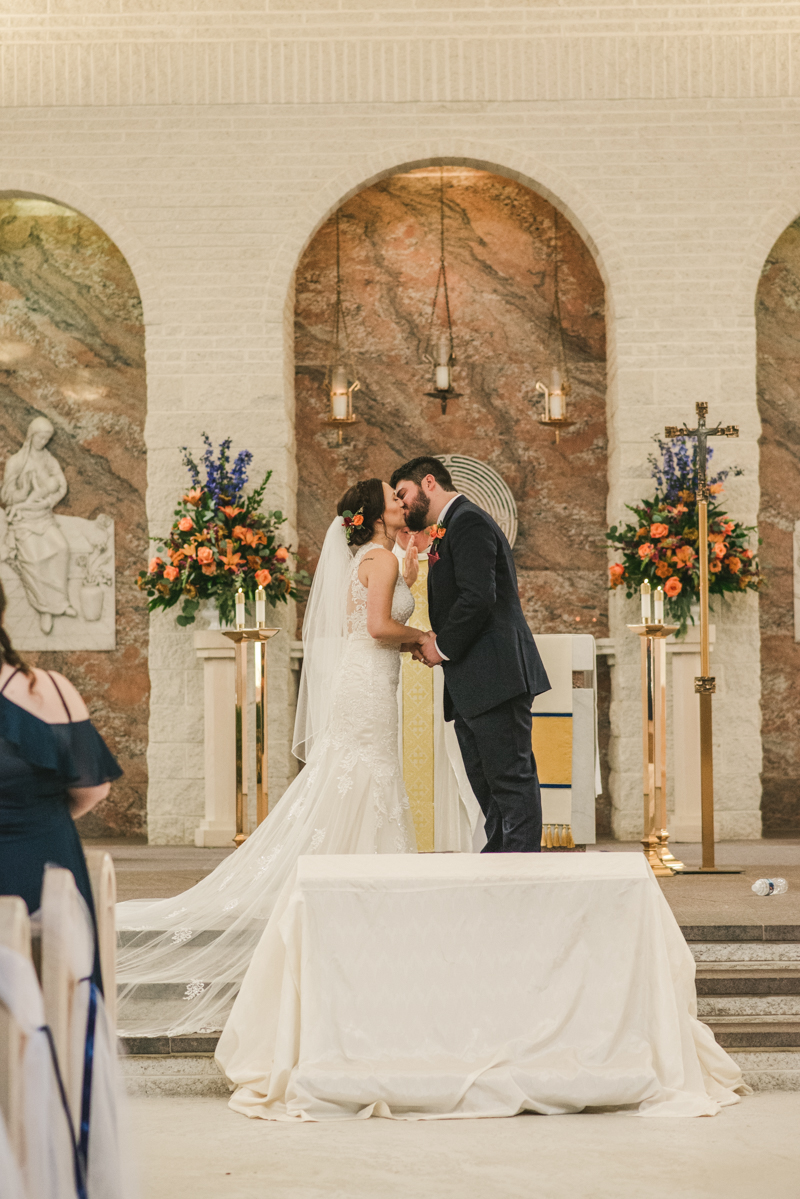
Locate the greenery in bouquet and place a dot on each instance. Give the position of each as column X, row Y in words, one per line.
column 662, row 545
column 220, row 541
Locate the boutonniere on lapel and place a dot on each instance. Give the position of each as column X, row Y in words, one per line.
column 436, row 533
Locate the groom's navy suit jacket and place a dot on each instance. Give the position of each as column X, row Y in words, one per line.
column 474, row 608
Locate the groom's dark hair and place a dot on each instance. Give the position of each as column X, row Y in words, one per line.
column 416, row 470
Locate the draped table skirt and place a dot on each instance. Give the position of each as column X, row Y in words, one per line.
column 466, row 985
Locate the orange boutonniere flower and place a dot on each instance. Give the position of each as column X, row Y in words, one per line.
column 436, row 533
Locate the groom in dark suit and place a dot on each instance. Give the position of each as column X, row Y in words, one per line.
column 492, row 668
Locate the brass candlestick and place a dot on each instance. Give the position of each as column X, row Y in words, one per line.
column 705, row 685
column 655, row 837
column 240, row 638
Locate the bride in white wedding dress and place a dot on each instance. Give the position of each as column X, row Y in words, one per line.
column 181, row 961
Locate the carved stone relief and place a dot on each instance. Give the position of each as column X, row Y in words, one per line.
column 57, row 571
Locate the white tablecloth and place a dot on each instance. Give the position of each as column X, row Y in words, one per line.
column 432, row 986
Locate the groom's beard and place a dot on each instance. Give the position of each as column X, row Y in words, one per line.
column 417, row 514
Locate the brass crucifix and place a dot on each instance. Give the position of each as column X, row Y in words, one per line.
column 705, row 684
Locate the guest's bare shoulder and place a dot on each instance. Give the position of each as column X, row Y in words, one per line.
column 42, row 698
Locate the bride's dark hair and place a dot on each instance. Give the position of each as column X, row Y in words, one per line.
column 366, row 496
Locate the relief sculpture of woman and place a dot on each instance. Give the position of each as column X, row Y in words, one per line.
column 32, row 486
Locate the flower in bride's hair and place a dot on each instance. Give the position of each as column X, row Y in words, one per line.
column 351, row 521
column 358, row 519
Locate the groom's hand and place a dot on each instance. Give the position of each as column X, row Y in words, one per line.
column 428, row 652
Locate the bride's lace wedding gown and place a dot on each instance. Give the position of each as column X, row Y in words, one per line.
column 181, row 960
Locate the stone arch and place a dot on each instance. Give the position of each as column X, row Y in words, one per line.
column 72, row 342
column 37, row 185
column 560, row 589
column 778, row 396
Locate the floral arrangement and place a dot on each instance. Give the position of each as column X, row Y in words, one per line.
column 220, row 541
column 662, row 547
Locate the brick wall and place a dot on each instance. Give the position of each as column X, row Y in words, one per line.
column 211, row 147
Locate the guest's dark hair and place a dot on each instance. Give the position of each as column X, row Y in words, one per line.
column 366, row 497
column 7, row 651
column 416, row 470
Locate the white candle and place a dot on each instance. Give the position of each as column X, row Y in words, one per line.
column 442, row 378
column 556, row 405
column 339, row 393
column 240, row 609
column 658, row 605
column 644, row 592
column 261, row 608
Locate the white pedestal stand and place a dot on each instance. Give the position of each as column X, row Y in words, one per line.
column 685, row 824
column 219, row 680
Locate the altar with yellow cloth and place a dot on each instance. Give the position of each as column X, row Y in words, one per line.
column 445, row 810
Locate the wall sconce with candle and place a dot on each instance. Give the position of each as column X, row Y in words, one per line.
column 555, row 396
column 442, row 363
column 340, row 391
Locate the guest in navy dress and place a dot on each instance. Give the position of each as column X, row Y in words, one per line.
column 54, row 767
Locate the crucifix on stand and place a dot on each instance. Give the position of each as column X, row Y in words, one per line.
column 705, row 685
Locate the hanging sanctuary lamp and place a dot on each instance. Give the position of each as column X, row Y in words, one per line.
column 555, row 396
column 336, row 376
column 441, row 356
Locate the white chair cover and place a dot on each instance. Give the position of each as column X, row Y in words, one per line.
column 11, row 1186
column 48, row 1162
column 91, row 1079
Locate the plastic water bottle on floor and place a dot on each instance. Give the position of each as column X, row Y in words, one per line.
column 770, row 886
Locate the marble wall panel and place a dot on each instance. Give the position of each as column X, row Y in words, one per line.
column 72, row 349
column 778, row 329
column 500, row 258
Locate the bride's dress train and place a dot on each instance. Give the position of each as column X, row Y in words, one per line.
column 182, row 960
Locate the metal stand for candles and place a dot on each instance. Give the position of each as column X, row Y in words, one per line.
column 653, row 635
column 240, row 636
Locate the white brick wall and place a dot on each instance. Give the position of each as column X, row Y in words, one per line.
column 212, row 146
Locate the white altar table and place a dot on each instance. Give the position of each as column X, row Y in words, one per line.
column 422, row 987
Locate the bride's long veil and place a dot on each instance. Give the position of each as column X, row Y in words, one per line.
column 181, row 960
column 324, row 637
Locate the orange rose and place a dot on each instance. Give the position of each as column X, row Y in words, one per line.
column 205, row 555
column 171, row 573
column 281, row 554
column 210, row 569
column 747, row 554
column 616, row 571
column 154, row 564
column 729, row 527
column 263, row 578
column 658, row 530
column 673, row 587
column 733, row 564
column 715, row 489
column 662, row 570
column 715, row 566
column 358, row 519
column 185, row 524
column 646, row 550
column 720, row 550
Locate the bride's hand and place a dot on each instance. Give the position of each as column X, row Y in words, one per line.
column 411, row 565
column 415, row 640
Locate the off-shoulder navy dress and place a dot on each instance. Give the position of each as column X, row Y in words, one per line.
column 38, row 762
